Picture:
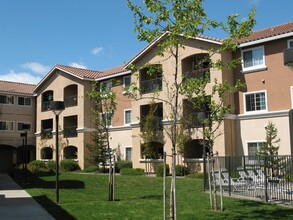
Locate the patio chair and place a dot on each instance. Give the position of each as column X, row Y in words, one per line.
column 227, row 181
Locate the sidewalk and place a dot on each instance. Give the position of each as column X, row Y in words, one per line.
column 16, row 203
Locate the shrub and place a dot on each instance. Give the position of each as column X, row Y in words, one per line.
column 160, row 170
column 122, row 164
column 132, row 172
column 195, row 175
column 181, row 170
column 51, row 165
column 36, row 166
column 69, row 165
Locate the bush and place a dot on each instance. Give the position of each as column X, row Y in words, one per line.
column 69, row 165
column 51, row 166
column 181, row 170
column 132, row 172
column 122, row 164
column 195, row 175
column 36, row 166
column 160, row 170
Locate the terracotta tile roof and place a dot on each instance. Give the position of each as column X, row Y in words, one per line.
column 79, row 72
column 16, row 88
column 112, row 71
column 268, row 32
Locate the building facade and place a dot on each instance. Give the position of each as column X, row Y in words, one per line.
column 266, row 98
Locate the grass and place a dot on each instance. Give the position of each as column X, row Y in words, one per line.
column 85, row 196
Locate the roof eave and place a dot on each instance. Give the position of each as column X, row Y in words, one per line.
column 114, row 75
column 264, row 40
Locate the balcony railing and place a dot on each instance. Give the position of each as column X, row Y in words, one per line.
column 45, row 106
column 151, row 85
column 70, row 101
column 195, row 119
column 157, row 124
column 46, row 133
column 70, row 131
column 198, row 73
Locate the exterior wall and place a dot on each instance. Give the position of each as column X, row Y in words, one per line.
column 192, row 47
column 57, row 82
column 276, row 80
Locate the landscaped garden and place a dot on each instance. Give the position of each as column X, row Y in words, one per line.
column 85, row 196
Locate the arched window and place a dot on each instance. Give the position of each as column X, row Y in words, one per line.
column 47, row 153
column 70, row 95
column 70, row 152
column 46, row 98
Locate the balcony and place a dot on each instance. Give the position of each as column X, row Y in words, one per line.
column 46, row 98
column 198, row 73
column 45, row 106
column 46, row 133
column 70, row 126
column 70, row 101
column 70, row 131
column 196, row 66
column 195, row 119
column 70, row 95
column 151, row 85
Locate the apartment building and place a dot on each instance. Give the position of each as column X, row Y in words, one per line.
column 266, row 98
column 70, row 85
column 17, row 108
column 268, row 95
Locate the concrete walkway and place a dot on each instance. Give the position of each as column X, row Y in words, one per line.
column 16, row 203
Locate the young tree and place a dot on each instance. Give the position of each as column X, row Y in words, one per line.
column 270, row 147
column 173, row 22
column 104, row 106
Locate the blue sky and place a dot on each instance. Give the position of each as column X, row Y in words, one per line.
column 93, row 34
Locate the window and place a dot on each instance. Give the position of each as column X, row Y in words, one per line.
column 253, row 148
column 21, row 126
column 253, row 59
column 126, row 84
column 106, row 119
column 127, row 117
column 255, row 101
column 290, row 43
column 5, row 99
column 24, row 101
column 105, row 86
column 6, row 125
column 128, row 153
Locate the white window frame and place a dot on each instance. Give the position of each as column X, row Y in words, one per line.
column 258, row 142
column 7, row 126
column 106, row 83
column 256, row 67
column 128, row 147
column 24, row 101
column 288, row 43
column 10, row 100
column 124, row 86
column 256, row 111
column 125, row 110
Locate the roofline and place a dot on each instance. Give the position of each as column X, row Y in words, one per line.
column 18, row 93
column 114, row 75
column 160, row 37
column 54, row 68
column 290, row 34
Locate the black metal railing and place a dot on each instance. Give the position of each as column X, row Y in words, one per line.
column 70, row 101
column 46, row 133
column 151, row 85
column 45, row 106
column 70, row 131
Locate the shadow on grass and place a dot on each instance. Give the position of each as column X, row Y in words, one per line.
column 55, row 210
column 257, row 210
column 35, row 182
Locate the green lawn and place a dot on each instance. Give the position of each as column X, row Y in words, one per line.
column 85, row 196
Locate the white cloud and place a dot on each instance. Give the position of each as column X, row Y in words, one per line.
column 77, row 65
column 36, row 67
column 97, row 50
column 22, row 77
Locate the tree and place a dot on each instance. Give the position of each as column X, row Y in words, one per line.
column 270, row 147
column 104, row 106
column 172, row 23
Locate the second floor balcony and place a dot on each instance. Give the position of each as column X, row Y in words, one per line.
column 46, row 133
column 70, row 131
column 70, row 101
column 151, row 85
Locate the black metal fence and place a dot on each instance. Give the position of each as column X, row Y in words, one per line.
column 264, row 177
